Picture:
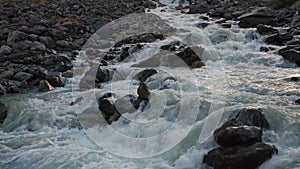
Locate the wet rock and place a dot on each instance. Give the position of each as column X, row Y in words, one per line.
column 297, row 101
column 103, row 75
column 256, row 17
column 266, row 49
column 22, row 45
column 38, row 46
column 128, row 104
column 68, row 74
column 143, row 75
column 265, row 30
column 5, row 50
column 232, row 136
column 106, row 106
column 291, row 53
column 16, row 36
column 45, row 86
column 56, row 79
column 3, row 112
column 23, row 76
column 143, row 91
column 237, row 157
column 252, row 117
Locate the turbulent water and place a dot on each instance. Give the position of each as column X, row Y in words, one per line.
column 43, row 131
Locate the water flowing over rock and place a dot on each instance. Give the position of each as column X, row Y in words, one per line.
column 291, row 53
column 143, row 75
column 45, row 86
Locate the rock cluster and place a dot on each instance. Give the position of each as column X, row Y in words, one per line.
column 241, row 144
column 40, row 38
column 262, row 15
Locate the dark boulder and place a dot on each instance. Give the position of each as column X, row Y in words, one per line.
column 23, row 76
column 56, row 79
column 143, row 75
column 291, row 53
column 16, row 36
column 256, row 17
column 45, row 86
column 2, row 90
column 237, row 157
column 4, row 50
column 265, row 30
column 297, row 101
column 198, row 8
column 143, row 91
column 232, row 136
column 3, row 112
column 278, row 39
column 107, row 107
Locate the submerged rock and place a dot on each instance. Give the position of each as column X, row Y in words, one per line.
column 291, row 53
column 3, row 112
column 237, row 157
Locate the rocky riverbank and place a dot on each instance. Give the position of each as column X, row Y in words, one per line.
column 277, row 20
column 40, row 38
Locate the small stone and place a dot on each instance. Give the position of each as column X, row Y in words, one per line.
column 5, row 50
column 44, row 86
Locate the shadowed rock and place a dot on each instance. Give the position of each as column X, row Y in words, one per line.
column 143, row 91
column 3, row 112
column 239, row 157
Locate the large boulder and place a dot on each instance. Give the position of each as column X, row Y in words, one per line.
column 107, row 107
column 143, row 91
column 3, row 112
column 256, row 17
column 232, row 136
column 291, row 53
column 237, row 157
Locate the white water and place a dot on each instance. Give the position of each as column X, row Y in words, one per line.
column 42, row 130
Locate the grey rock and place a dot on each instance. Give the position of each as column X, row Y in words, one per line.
column 16, row 36
column 23, row 76
column 68, row 74
column 143, row 75
column 63, row 44
column 5, row 50
column 38, row 46
column 48, row 41
column 22, row 45
column 45, row 86
column 8, row 74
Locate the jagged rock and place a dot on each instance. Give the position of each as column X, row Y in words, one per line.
column 143, row 91
column 45, row 86
column 56, row 79
column 3, row 112
column 237, row 157
column 143, row 75
column 232, row 136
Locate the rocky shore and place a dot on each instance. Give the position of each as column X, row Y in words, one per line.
column 40, row 38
